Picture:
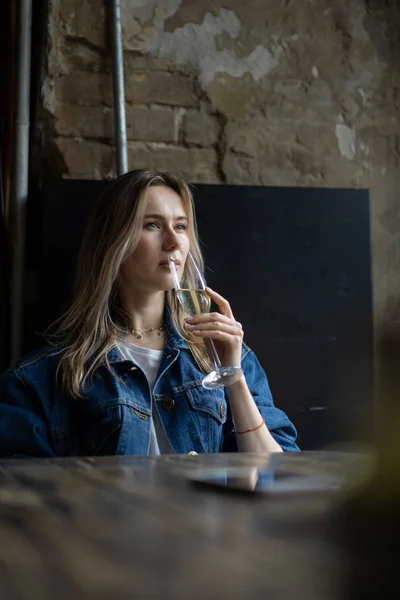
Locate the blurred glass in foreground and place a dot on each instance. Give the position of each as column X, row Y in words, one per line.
column 369, row 516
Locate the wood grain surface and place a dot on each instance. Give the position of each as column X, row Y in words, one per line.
column 137, row 527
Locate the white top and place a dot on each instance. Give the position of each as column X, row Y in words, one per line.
column 148, row 360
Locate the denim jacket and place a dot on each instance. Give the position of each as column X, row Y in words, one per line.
column 38, row 419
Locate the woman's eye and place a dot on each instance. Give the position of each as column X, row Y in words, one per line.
column 181, row 227
column 151, row 225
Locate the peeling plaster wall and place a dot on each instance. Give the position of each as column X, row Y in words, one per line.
column 289, row 92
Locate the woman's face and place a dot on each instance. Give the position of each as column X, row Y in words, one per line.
column 164, row 231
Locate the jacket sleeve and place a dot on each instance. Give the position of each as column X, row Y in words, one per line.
column 23, row 432
column 282, row 429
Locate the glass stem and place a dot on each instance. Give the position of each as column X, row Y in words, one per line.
column 212, row 353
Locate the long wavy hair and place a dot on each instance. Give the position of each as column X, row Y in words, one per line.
column 96, row 318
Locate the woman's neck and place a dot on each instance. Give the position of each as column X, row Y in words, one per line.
column 147, row 320
column 146, row 310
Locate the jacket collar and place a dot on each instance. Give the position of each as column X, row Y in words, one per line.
column 174, row 339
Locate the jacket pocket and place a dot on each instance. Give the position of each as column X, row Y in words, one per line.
column 209, row 412
column 208, row 401
column 117, row 427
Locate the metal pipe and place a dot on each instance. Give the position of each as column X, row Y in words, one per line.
column 21, row 174
column 119, row 89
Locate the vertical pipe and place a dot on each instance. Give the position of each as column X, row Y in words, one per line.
column 21, row 174
column 119, row 88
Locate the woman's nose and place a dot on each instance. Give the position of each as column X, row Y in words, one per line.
column 171, row 240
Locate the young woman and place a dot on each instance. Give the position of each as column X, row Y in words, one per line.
column 123, row 372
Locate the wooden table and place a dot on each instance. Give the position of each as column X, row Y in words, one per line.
column 137, row 527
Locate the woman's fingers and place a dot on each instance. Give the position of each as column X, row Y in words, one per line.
column 220, row 327
column 213, row 321
column 219, row 335
column 213, row 317
column 227, row 333
column 221, row 302
column 231, row 328
column 217, row 325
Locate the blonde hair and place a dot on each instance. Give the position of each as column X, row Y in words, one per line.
column 96, row 317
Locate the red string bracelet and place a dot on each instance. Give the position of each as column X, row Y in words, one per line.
column 254, row 428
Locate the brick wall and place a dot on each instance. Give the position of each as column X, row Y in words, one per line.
column 270, row 92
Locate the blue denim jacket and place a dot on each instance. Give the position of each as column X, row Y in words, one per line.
column 113, row 417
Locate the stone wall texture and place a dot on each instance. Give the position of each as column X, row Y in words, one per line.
column 269, row 92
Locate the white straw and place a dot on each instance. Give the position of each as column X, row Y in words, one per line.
column 174, row 273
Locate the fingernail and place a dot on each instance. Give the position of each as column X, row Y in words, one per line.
column 188, row 319
column 191, row 326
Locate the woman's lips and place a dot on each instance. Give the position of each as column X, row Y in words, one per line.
column 165, row 263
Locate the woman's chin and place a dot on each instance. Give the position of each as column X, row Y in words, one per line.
column 169, row 288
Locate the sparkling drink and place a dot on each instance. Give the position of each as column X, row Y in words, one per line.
column 193, row 302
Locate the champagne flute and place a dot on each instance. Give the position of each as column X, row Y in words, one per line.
column 194, row 300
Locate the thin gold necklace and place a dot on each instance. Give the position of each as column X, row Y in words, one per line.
column 138, row 333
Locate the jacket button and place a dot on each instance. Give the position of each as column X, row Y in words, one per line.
column 168, row 404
